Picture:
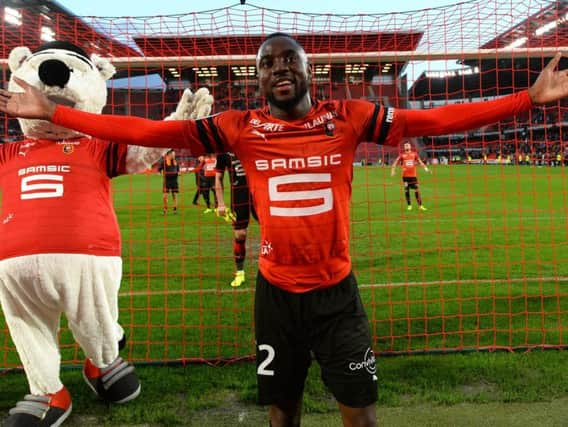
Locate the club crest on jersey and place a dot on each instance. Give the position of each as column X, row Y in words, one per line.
column 68, row 148
column 266, row 248
column 329, row 128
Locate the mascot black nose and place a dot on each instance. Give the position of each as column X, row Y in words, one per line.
column 54, row 73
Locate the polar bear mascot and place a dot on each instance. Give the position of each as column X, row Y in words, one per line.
column 60, row 242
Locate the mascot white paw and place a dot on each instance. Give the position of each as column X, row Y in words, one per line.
column 190, row 106
column 193, row 105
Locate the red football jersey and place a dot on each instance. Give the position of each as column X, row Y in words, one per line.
column 300, row 177
column 409, row 162
column 56, row 197
column 209, row 167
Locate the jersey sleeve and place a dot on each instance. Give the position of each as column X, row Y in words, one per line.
column 111, row 157
column 371, row 121
column 387, row 125
column 221, row 132
column 213, row 134
column 455, row 117
column 3, row 153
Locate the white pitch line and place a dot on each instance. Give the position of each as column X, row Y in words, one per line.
column 184, row 292
column 361, row 286
column 461, row 218
column 466, row 281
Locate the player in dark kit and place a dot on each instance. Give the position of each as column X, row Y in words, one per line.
column 205, row 180
column 298, row 153
column 240, row 207
column 169, row 168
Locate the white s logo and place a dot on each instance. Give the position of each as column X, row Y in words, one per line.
column 323, row 194
column 49, row 187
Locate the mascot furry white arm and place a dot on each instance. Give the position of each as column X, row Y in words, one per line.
column 61, row 248
column 190, row 106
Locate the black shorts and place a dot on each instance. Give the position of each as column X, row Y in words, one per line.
column 241, row 205
column 206, row 183
column 410, row 182
column 171, row 186
column 330, row 323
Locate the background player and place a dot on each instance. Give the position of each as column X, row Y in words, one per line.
column 196, row 169
column 169, row 168
column 240, row 207
column 408, row 160
column 206, row 180
column 298, row 154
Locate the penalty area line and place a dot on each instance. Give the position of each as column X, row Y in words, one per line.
column 216, row 291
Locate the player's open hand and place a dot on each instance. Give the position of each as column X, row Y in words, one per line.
column 30, row 103
column 551, row 84
column 220, row 211
column 227, row 214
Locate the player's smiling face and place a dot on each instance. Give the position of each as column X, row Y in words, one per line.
column 283, row 72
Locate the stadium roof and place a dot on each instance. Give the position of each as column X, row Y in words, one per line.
column 248, row 44
column 33, row 22
column 547, row 28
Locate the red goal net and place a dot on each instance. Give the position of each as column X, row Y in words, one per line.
column 485, row 267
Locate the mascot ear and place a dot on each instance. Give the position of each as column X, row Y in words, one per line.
column 106, row 69
column 17, row 57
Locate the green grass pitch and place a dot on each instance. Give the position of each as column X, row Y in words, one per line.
column 485, row 267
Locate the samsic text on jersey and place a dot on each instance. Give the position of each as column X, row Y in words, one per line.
column 56, row 197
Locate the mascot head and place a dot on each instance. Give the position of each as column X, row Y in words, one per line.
column 67, row 75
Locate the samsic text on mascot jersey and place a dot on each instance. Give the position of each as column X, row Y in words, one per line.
column 56, row 197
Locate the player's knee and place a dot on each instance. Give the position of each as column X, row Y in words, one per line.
column 285, row 414
column 359, row 417
column 241, row 234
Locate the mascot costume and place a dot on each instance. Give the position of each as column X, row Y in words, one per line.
column 61, row 246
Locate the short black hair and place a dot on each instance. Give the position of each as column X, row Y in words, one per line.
column 280, row 34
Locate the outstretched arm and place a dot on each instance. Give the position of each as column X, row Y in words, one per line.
column 421, row 163
column 219, row 192
column 33, row 104
column 191, row 106
column 550, row 86
column 395, row 163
